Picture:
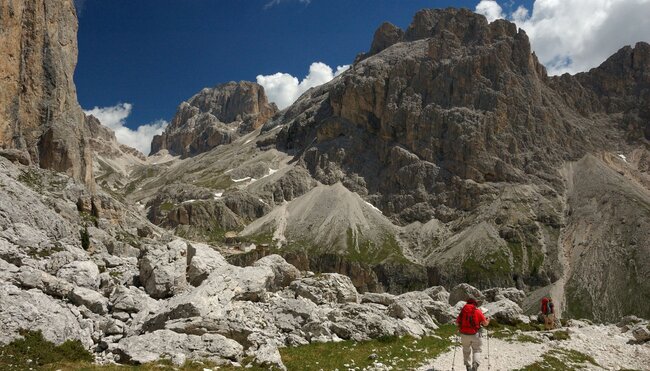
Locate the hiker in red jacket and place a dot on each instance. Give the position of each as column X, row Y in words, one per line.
column 469, row 323
column 548, row 313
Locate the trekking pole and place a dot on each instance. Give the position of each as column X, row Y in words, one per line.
column 453, row 361
column 487, row 335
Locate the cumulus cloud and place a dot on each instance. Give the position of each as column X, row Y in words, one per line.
column 283, row 89
column 576, row 35
column 115, row 118
column 490, row 9
column 273, row 3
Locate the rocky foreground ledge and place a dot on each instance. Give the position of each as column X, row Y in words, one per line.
column 224, row 313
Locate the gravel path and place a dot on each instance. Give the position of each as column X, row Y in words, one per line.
column 605, row 343
column 503, row 356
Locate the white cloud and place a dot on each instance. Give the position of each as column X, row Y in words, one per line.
column 490, row 9
column 115, row 118
column 576, row 35
column 273, row 3
column 283, row 89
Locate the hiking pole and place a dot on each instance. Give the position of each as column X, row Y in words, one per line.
column 487, row 336
column 453, row 361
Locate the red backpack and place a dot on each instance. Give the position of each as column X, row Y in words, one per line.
column 546, row 307
column 468, row 323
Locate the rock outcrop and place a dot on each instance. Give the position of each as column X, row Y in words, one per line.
column 39, row 112
column 214, row 117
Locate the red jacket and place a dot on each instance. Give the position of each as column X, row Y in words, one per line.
column 470, row 319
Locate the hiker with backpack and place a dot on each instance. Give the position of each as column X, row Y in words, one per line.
column 469, row 323
column 548, row 313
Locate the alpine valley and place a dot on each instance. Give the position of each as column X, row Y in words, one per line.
column 444, row 162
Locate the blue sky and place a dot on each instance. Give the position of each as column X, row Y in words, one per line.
column 153, row 54
column 157, row 53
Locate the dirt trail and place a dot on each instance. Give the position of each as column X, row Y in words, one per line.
column 604, row 343
column 503, row 356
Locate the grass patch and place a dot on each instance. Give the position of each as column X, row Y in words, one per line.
column 85, row 238
column 31, row 180
column 166, row 206
column 34, row 352
column 191, row 365
column 115, row 274
column 514, row 333
column 401, row 353
column 364, row 251
column 493, row 268
column 561, row 335
column 528, row 339
column 561, row 360
column 44, row 253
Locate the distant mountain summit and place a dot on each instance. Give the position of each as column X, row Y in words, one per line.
column 214, row 117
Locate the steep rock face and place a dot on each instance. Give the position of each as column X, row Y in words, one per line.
column 214, row 117
column 38, row 104
column 455, row 120
column 461, row 105
column 621, row 85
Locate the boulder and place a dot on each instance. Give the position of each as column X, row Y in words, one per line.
column 627, row 322
column 326, row 288
column 80, row 273
column 153, row 346
column 31, row 278
column 214, row 295
column 284, row 272
column 505, row 311
column 269, row 357
column 441, row 311
column 16, row 156
column 110, row 326
column 413, row 305
column 130, row 300
column 378, row 298
column 499, row 293
column 162, row 269
column 92, row 300
column 463, row 291
column 438, row 293
column 359, row 322
column 20, row 309
column 201, row 261
column 641, row 332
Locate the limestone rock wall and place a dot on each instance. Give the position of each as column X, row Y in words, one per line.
column 39, row 111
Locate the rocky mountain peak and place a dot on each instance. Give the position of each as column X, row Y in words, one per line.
column 215, row 116
column 455, row 27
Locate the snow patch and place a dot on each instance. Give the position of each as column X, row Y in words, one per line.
column 373, row 206
column 242, row 179
column 218, row 195
column 623, row 157
column 188, row 201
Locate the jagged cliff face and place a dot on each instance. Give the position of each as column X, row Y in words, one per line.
column 453, row 105
column 214, row 117
column 39, row 112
